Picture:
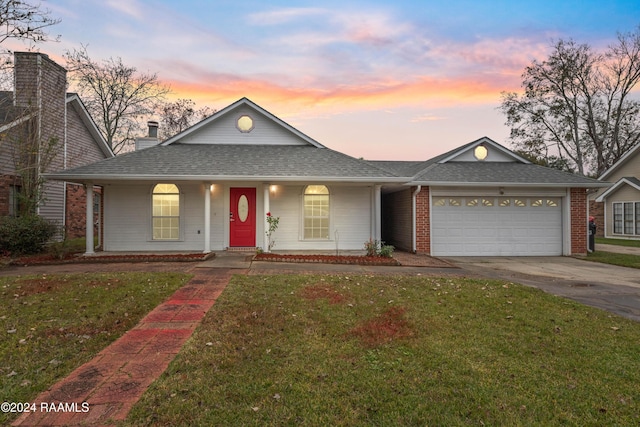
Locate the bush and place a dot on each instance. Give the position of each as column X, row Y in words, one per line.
column 372, row 246
column 25, row 234
column 378, row 248
column 386, row 251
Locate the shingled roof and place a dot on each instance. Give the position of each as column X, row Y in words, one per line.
column 499, row 173
column 225, row 162
column 187, row 157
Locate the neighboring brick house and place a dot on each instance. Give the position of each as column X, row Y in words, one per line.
column 40, row 111
column 212, row 186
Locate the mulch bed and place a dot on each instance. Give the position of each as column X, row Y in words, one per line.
column 327, row 259
column 48, row 259
column 44, row 259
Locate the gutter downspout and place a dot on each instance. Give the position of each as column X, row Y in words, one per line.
column 413, row 218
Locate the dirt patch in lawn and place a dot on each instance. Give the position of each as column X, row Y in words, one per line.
column 388, row 326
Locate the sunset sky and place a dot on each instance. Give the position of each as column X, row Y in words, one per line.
column 401, row 80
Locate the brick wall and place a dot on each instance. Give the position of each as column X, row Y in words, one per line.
column 423, row 225
column 76, row 209
column 579, row 221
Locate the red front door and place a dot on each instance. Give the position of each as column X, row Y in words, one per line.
column 242, row 218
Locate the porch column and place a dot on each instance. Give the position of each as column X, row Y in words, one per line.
column 89, row 219
column 207, row 217
column 378, row 212
column 265, row 224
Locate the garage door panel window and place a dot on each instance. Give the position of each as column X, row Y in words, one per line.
column 504, row 202
column 626, row 218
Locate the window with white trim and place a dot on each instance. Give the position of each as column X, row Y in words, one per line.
column 166, row 212
column 316, row 212
column 626, row 218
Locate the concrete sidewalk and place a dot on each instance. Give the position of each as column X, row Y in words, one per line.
column 630, row 250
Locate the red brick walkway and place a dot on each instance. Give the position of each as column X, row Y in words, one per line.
column 117, row 377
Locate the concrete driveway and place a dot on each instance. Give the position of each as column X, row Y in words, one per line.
column 612, row 288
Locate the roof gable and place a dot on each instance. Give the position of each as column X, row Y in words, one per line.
column 472, row 152
column 76, row 103
column 223, row 127
column 630, row 181
column 629, row 156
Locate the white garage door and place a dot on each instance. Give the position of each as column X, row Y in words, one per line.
column 496, row 226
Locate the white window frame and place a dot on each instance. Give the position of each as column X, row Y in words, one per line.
column 179, row 216
column 304, row 216
column 626, row 220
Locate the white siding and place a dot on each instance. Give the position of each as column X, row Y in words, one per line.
column 350, row 219
column 128, row 219
column 224, row 131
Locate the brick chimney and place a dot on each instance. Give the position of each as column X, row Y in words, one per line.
column 40, row 85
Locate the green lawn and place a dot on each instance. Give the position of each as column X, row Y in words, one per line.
column 365, row 350
column 619, row 242
column 624, row 260
column 51, row 324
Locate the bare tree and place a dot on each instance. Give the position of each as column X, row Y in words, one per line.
column 24, row 20
column 179, row 115
column 32, row 153
column 116, row 95
column 577, row 106
column 21, row 20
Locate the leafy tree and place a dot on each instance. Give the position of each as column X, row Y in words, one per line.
column 577, row 108
column 117, row 96
column 179, row 115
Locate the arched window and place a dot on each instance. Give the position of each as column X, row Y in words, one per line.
column 166, row 212
column 316, row 212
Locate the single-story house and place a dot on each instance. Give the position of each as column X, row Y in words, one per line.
column 622, row 200
column 211, row 187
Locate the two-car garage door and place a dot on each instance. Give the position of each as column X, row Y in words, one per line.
column 496, row 226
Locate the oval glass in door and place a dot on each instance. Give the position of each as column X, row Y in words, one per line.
column 243, row 208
